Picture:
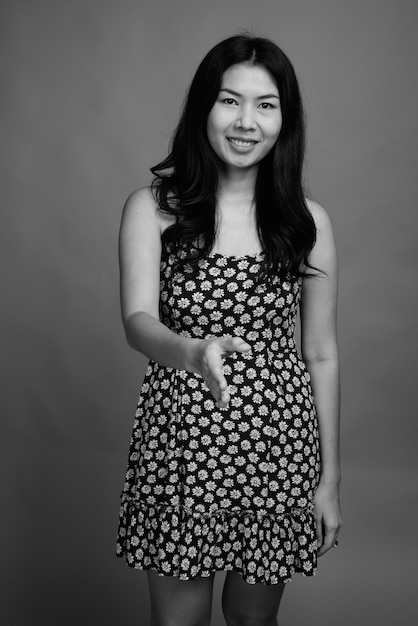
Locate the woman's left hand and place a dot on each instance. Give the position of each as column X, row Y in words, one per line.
column 327, row 516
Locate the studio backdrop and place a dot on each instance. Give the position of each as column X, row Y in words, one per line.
column 91, row 91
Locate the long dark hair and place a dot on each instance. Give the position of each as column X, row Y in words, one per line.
column 185, row 183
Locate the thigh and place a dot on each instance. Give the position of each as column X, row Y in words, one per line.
column 177, row 602
column 250, row 604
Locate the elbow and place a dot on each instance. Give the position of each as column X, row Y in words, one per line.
column 317, row 359
column 129, row 335
column 324, row 367
column 321, row 356
column 134, row 325
column 130, row 341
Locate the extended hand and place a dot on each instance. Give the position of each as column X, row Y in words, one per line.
column 207, row 361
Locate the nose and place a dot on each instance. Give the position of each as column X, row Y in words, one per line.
column 246, row 118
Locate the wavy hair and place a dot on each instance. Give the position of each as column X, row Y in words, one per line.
column 185, row 182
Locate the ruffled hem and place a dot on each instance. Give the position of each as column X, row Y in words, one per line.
column 261, row 547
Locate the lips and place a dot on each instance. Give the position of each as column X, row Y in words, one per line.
column 242, row 143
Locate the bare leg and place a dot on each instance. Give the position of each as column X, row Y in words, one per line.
column 250, row 605
column 177, row 602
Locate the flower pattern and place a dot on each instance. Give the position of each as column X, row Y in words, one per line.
column 211, row 489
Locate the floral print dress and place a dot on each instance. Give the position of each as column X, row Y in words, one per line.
column 211, row 489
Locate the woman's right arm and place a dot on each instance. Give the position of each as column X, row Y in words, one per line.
column 139, row 259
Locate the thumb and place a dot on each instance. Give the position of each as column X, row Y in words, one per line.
column 235, row 344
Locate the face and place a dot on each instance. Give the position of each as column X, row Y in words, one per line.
column 245, row 121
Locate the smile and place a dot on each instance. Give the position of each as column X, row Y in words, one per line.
column 243, row 143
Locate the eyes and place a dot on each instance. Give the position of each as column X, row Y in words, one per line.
column 263, row 105
column 230, row 101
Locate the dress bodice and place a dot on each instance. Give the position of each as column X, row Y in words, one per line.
column 223, row 295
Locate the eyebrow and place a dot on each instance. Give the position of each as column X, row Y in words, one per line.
column 235, row 93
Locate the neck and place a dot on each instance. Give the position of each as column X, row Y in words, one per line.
column 236, row 222
column 237, row 184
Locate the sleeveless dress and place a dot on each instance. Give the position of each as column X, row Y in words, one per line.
column 211, row 489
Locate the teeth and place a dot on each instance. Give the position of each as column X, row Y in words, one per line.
column 243, row 144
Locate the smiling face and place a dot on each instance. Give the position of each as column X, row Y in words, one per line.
column 245, row 121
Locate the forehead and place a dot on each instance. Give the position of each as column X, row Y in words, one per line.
column 248, row 77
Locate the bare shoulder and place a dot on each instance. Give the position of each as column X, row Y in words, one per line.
column 319, row 214
column 323, row 254
column 140, row 228
column 142, row 206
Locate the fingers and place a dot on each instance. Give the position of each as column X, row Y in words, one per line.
column 327, row 537
column 327, row 516
column 229, row 345
column 211, row 369
column 218, row 386
column 319, row 534
column 329, row 542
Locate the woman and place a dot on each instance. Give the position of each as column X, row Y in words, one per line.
column 234, row 461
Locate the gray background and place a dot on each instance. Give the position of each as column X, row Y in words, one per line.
column 90, row 94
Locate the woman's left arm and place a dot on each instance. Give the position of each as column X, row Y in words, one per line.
column 320, row 353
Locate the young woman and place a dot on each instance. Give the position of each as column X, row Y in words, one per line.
column 234, row 461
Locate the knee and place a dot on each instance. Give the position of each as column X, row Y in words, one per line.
column 246, row 620
column 244, row 604
column 234, row 617
column 174, row 620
